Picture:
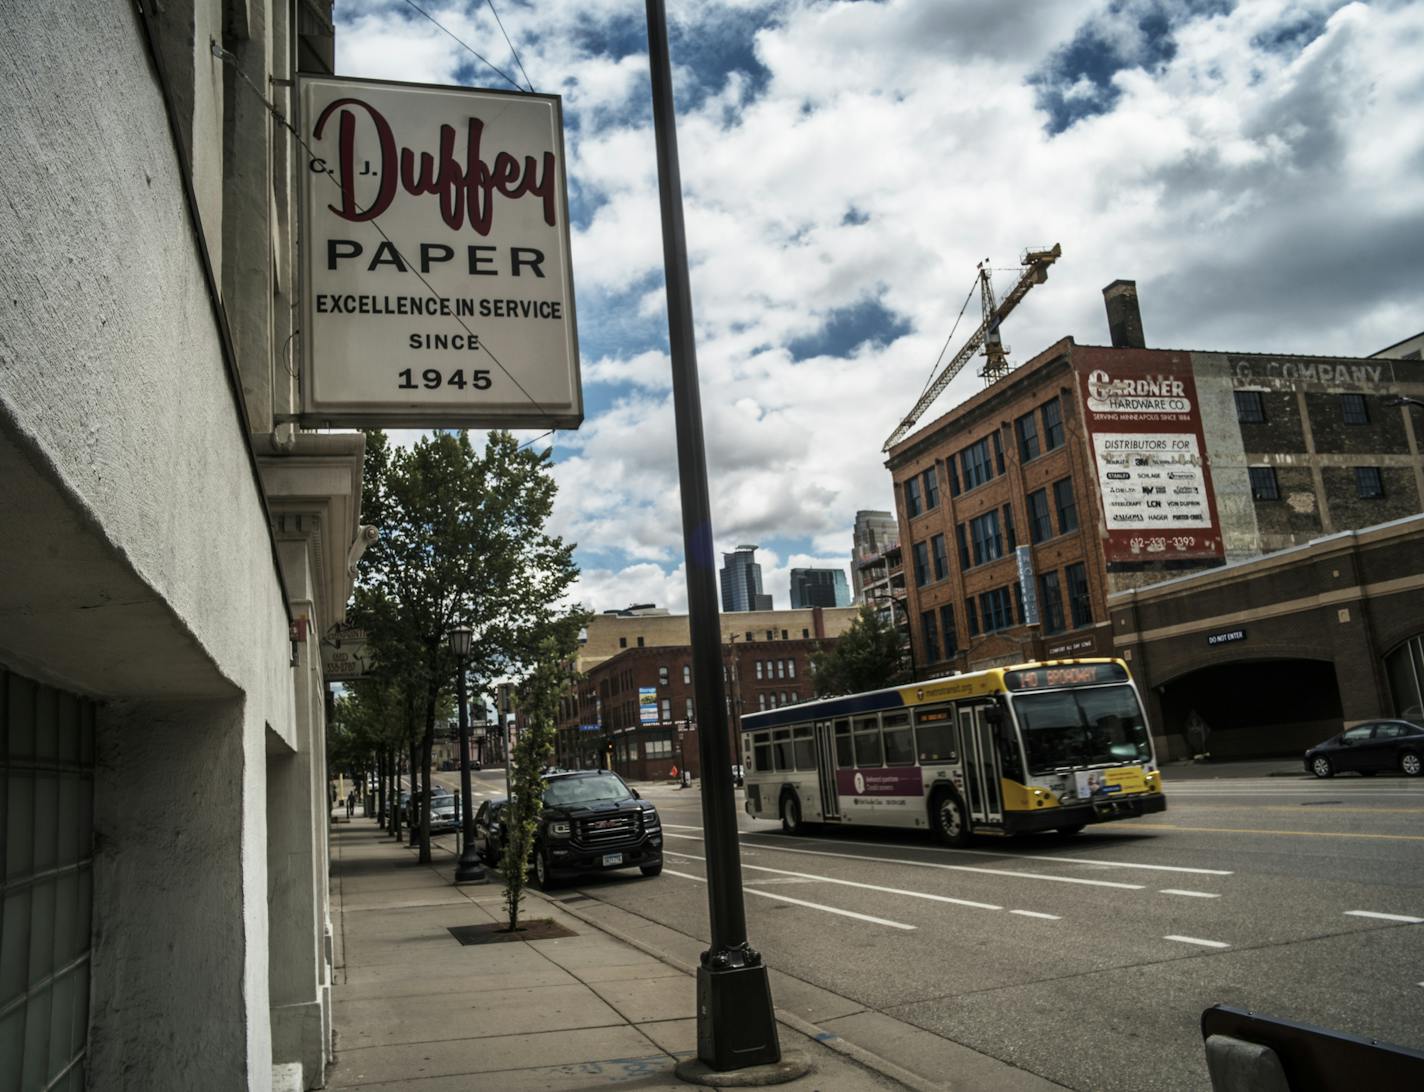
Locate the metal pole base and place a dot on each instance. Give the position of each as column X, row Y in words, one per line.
column 736, row 1026
column 469, row 870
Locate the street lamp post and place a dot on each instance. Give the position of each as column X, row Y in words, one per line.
column 736, row 1024
column 469, row 869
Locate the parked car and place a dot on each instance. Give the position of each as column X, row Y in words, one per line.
column 591, row 822
column 1369, row 748
column 410, row 805
column 491, row 835
column 443, row 816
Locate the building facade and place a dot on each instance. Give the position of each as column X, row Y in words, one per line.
column 740, row 578
column 819, row 588
column 173, row 555
column 873, row 534
column 1096, row 470
column 628, row 659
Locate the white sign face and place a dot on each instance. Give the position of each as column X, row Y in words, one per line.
column 1151, row 481
column 437, row 287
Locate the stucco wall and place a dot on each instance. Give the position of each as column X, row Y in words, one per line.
column 112, row 384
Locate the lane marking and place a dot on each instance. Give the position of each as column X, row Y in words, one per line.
column 1335, row 808
column 1036, row 914
column 1383, row 917
column 1198, row 940
column 855, row 883
column 1191, row 894
column 1292, row 833
column 802, row 902
column 1010, row 856
column 958, row 868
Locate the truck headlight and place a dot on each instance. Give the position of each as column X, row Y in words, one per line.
column 559, row 829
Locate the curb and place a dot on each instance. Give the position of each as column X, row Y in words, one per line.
column 858, row 1054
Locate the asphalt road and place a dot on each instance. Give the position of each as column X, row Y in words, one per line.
column 1089, row 961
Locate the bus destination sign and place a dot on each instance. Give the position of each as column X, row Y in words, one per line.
column 1042, row 678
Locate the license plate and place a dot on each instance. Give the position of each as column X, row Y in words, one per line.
column 611, row 859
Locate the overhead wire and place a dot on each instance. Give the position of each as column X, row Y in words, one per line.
column 514, row 52
column 485, row 60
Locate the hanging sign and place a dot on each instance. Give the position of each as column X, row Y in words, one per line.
column 437, row 287
column 345, row 654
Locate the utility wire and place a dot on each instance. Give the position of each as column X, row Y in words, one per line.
column 507, row 42
column 489, row 63
column 228, row 58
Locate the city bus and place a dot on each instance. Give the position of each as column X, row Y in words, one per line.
column 1010, row 750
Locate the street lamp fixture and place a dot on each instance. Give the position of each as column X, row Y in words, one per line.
column 469, row 869
column 1403, row 400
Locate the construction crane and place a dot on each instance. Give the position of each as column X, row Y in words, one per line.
column 996, row 366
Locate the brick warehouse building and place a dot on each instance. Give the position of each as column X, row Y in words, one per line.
column 644, row 661
column 1092, row 471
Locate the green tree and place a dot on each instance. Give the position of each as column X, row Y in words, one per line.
column 538, row 700
column 866, row 657
column 462, row 541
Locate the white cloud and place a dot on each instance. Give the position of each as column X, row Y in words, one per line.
column 1264, row 196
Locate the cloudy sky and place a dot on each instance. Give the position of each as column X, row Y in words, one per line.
column 1256, row 166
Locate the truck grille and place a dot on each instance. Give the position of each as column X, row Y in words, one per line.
column 606, row 830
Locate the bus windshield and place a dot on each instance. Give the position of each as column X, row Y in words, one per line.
column 1089, row 727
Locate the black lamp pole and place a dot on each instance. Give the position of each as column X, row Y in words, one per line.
column 736, row 1027
column 469, row 869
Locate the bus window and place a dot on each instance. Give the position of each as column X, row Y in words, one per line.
column 804, row 748
column 844, row 758
column 781, row 749
column 899, row 743
column 867, row 741
column 762, row 748
column 934, row 730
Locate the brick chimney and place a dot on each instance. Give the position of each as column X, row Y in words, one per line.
column 1124, row 319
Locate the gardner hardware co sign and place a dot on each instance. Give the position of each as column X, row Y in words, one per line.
column 437, row 287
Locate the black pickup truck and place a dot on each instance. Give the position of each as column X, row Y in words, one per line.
column 593, row 821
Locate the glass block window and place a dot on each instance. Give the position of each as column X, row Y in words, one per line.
column 1368, row 482
column 1354, row 410
column 1263, row 483
column 1250, row 407
column 46, row 902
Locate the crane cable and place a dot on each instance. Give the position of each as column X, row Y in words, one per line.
column 934, row 368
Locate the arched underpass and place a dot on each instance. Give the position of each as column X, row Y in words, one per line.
column 1253, row 708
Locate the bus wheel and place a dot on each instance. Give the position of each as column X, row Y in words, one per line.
column 791, row 814
column 1070, row 830
column 947, row 815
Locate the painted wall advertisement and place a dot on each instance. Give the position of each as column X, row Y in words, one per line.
column 1145, row 425
column 437, row 287
column 647, row 705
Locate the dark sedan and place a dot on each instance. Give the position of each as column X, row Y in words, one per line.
column 1369, row 748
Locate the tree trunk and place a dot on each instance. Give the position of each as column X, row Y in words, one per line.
column 427, row 745
column 380, row 788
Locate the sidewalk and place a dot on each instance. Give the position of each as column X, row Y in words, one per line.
column 417, row 1011
column 1236, row 767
